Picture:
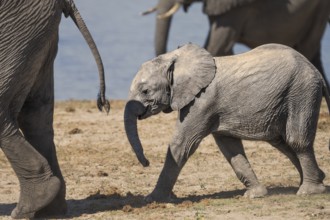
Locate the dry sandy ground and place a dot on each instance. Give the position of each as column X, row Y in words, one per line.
column 105, row 181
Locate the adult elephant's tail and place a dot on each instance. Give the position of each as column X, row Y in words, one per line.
column 71, row 10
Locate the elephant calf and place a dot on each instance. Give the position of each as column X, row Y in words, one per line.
column 271, row 93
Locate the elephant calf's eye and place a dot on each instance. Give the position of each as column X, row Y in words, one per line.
column 145, row 91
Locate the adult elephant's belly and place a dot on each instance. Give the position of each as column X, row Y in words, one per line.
column 278, row 24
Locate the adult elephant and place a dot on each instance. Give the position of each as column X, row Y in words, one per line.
column 28, row 46
column 299, row 24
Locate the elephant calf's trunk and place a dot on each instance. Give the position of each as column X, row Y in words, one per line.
column 132, row 110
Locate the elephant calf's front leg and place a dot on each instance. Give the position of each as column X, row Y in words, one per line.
column 166, row 181
column 184, row 144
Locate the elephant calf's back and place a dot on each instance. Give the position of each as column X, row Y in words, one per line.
column 268, row 68
column 261, row 88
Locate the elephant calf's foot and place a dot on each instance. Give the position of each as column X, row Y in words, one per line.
column 160, row 197
column 256, row 192
column 311, row 188
column 35, row 196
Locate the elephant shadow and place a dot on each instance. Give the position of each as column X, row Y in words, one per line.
column 276, row 190
column 239, row 193
column 100, row 203
column 5, row 209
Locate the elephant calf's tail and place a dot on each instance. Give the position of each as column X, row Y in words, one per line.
column 71, row 10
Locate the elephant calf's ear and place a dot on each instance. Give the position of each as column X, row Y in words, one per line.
column 193, row 70
column 169, row 73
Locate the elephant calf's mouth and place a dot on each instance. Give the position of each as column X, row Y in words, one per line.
column 145, row 114
column 151, row 110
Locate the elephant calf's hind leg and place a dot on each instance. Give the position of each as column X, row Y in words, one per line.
column 287, row 151
column 301, row 138
column 312, row 175
column 232, row 149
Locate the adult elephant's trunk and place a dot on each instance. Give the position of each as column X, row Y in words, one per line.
column 72, row 11
column 163, row 26
column 133, row 110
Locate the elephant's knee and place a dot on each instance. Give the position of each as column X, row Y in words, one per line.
column 36, row 119
column 7, row 129
column 25, row 160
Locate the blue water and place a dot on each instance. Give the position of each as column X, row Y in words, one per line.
column 125, row 41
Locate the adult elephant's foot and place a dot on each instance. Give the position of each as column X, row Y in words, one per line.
column 311, row 188
column 160, row 197
column 35, row 196
column 256, row 192
column 58, row 207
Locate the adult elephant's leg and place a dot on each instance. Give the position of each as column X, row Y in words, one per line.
column 221, row 38
column 38, row 185
column 317, row 62
column 287, row 151
column 36, row 123
column 233, row 151
column 310, row 45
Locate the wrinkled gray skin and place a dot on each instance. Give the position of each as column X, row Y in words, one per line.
column 271, row 93
column 299, row 24
column 28, row 46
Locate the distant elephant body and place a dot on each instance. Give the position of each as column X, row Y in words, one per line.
column 271, row 93
column 299, row 24
column 28, row 47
